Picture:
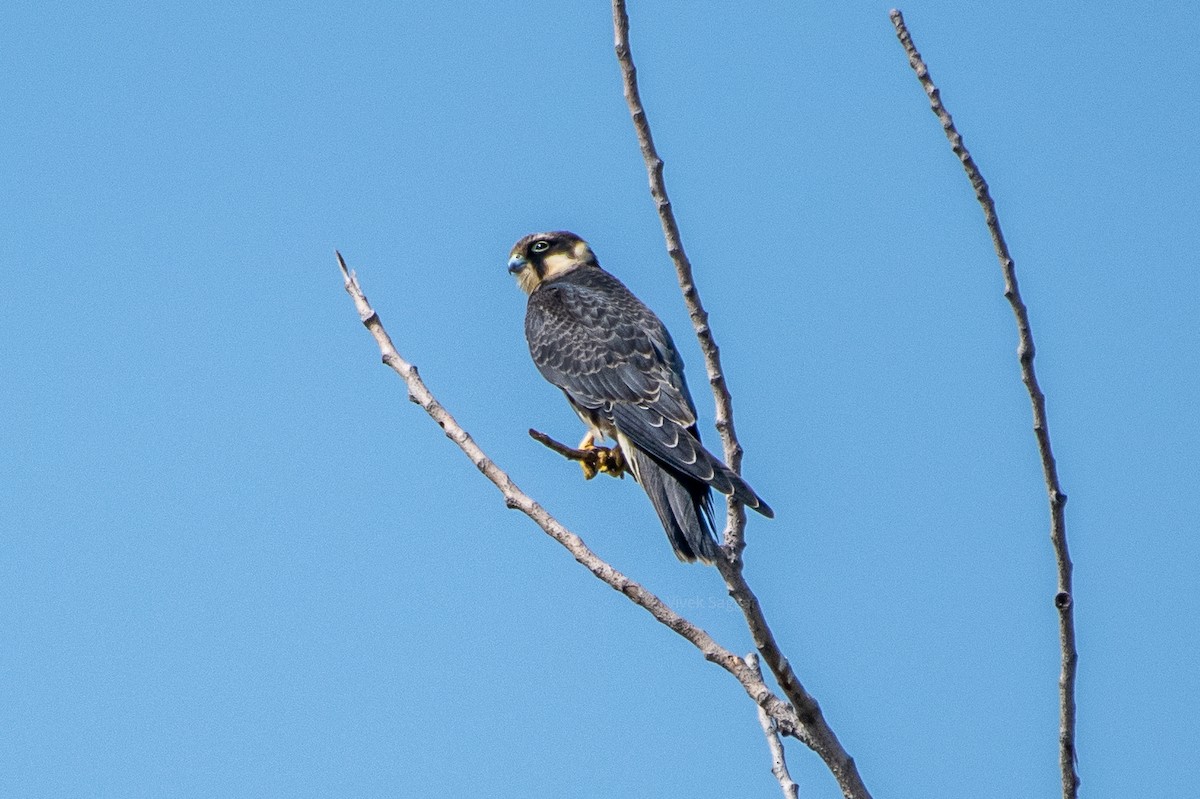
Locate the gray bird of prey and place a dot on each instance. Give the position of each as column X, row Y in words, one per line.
column 616, row 363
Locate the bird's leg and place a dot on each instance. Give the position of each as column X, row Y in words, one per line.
column 591, row 464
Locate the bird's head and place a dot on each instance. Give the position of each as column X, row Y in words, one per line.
column 544, row 256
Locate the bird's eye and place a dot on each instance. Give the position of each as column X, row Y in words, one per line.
column 540, row 246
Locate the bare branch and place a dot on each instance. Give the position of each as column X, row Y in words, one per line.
column 814, row 731
column 736, row 521
column 517, row 499
column 771, row 730
column 1025, row 352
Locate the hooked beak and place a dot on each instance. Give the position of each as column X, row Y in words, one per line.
column 516, row 264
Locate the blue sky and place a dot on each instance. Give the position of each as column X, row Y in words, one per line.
column 237, row 562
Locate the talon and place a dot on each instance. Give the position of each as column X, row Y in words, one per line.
column 612, row 461
column 589, row 466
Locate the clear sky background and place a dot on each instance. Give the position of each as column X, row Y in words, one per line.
column 236, row 562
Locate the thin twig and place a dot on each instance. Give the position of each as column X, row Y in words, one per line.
column 814, row 731
column 587, row 456
column 771, row 730
column 594, row 460
column 1063, row 599
column 517, row 499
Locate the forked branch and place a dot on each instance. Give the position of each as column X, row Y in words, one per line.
column 1063, row 600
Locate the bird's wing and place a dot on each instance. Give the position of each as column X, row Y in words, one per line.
column 601, row 345
column 611, row 354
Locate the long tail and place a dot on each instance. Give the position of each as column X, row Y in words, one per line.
column 681, row 452
column 683, row 504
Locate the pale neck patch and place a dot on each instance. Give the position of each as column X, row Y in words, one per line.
column 527, row 279
column 560, row 263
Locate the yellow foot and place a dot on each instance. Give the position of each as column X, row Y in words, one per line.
column 601, row 459
column 612, row 461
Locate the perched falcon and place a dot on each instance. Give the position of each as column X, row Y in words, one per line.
column 616, row 363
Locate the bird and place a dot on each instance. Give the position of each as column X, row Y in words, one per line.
column 621, row 373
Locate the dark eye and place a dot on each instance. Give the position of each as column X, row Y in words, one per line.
column 540, row 246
